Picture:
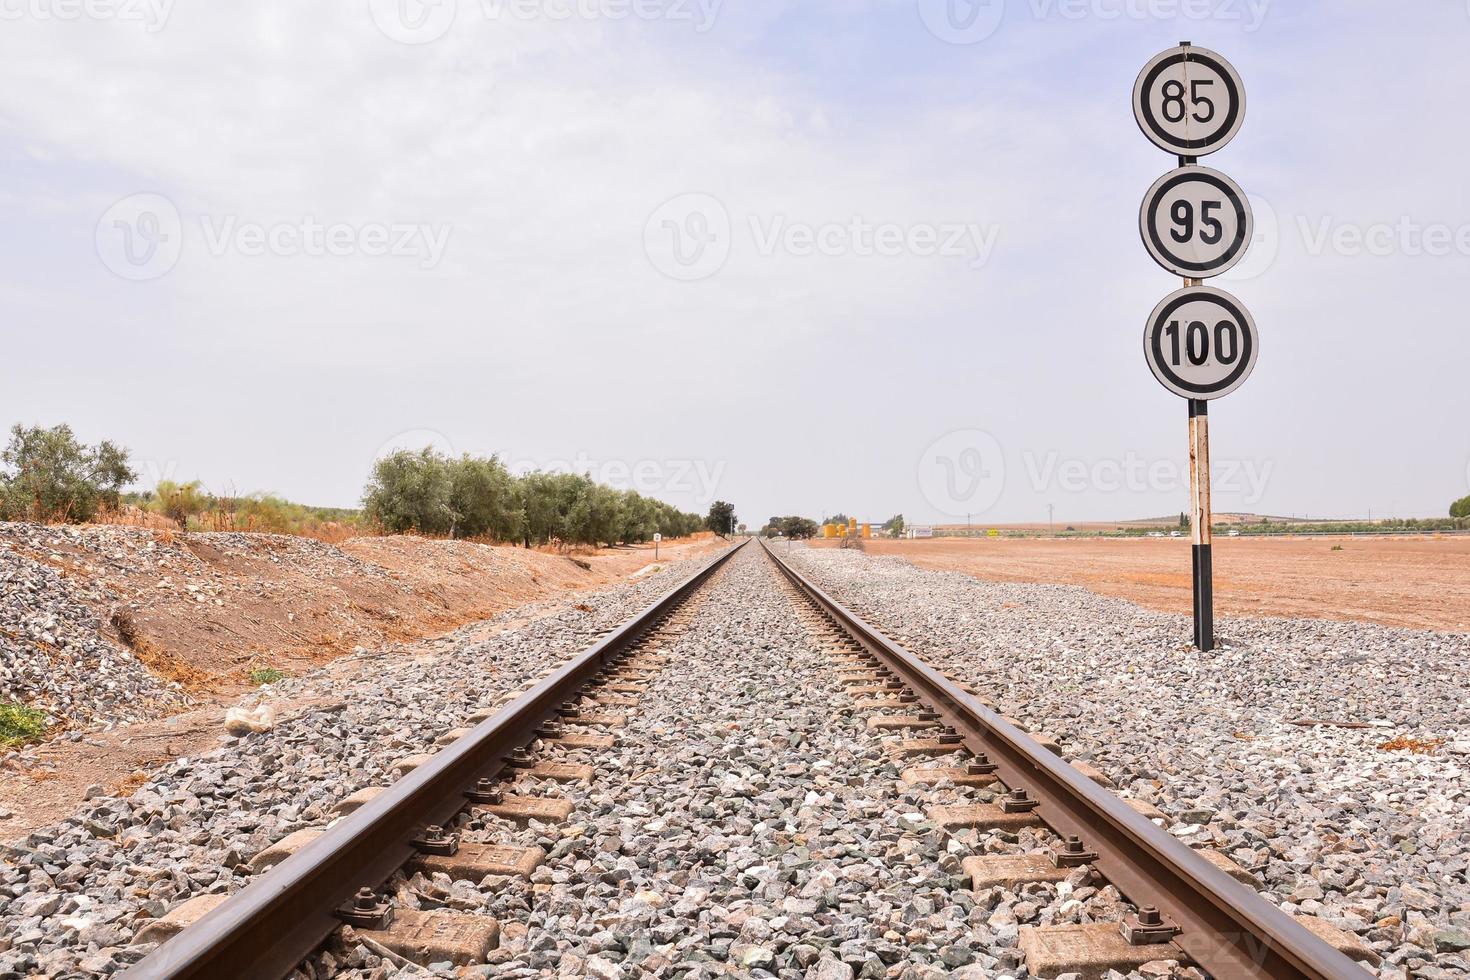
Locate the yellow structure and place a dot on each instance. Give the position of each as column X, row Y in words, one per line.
column 867, row 530
column 829, row 530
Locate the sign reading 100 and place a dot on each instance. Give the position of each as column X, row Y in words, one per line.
column 1201, row 343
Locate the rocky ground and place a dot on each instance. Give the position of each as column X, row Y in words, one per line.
column 55, row 652
column 749, row 822
column 106, row 625
column 1368, row 826
column 73, row 894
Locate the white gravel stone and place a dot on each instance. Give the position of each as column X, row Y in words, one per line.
column 1376, row 841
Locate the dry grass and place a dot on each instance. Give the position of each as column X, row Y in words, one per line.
column 1417, row 746
column 129, row 785
column 154, row 657
column 327, row 532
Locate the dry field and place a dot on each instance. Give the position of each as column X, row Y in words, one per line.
column 1415, row 581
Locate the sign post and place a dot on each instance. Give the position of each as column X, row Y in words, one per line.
column 1200, row 342
column 656, row 539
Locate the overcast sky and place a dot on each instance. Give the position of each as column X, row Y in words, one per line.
column 805, row 256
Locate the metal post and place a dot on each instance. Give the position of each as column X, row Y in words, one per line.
column 1200, row 513
column 1200, row 519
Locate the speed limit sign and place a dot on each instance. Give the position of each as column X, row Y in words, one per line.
column 1201, row 343
column 1196, row 222
column 1189, row 101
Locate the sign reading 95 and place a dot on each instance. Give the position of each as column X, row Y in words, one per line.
column 1189, row 101
column 1201, row 343
column 1196, row 222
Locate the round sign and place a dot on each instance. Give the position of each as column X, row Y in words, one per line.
column 1201, row 342
column 1189, row 101
column 1196, row 222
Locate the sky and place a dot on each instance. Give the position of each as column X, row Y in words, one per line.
column 865, row 256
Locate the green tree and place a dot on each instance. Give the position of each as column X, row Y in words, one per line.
column 791, row 527
column 48, row 475
column 411, row 491
column 482, row 493
column 475, row 497
column 894, row 525
column 1460, row 508
column 721, row 518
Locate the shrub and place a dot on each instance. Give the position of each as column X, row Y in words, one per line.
column 475, row 497
column 19, row 724
column 266, row 675
column 49, row 476
column 410, row 491
column 180, row 501
column 721, row 518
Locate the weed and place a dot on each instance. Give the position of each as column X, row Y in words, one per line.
column 19, row 724
column 1337, row 547
column 266, row 675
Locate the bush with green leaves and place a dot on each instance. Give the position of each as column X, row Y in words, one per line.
column 721, row 518
column 48, row 475
column 20, row 724
column 1460, row 508
column 791, row 527
column 473, row 497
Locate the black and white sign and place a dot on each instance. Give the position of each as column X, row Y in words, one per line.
column 1201, row 343
column 1189, row 101
column 1196, row 222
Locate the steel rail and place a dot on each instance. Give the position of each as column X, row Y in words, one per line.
column 278, row 920
column 1226, row 928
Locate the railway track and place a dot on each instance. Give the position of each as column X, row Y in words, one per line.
column 476, row 811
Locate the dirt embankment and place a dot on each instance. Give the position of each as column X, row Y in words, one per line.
column 1421, row 582
column 133, row 641
column 203, row 611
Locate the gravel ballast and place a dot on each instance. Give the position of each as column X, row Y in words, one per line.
column 1375, row 839
column 54, row 656
column 72, row 895
column 750, row 822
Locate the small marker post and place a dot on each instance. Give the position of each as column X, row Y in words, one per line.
column 1200, row 520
